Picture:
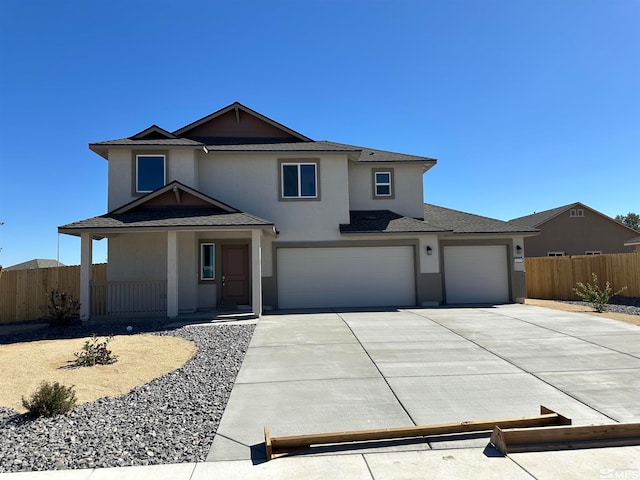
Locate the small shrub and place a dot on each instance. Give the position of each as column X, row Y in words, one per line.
column 592, row 293
column 95, row 352
column 60, row 308
column 50, row 399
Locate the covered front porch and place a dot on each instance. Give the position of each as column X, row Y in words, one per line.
column 178, row 272
column 173, row 251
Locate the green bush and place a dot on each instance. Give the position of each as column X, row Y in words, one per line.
column 593, row 294
column 50, row 399
column 95, row 352
column 60, row 308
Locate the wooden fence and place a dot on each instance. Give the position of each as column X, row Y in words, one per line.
column 554, row 278
column 23, row 292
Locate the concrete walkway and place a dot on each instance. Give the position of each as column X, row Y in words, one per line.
column 322, row 372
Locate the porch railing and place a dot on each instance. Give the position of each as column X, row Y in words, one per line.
column 128, row 298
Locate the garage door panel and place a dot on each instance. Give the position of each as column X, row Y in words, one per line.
column 345, row 277
column 476, row 274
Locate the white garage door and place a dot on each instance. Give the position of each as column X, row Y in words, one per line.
column 476, row 274
column 345, row 277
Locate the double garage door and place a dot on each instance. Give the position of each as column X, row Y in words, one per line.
column 476, row 274
column 346, row 277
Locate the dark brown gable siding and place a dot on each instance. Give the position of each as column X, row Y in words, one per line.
column 169, row 199
column 226, row 127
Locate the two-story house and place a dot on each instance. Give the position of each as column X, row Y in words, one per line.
column 236, row 209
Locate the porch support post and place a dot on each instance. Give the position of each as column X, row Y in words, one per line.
column 172, row 274
column 86, row 260
column 256, row 272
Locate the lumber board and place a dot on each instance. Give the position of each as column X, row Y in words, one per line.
column 279, row 446
column 512, row 440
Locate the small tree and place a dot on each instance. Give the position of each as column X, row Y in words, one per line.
column 592, row 293
column 60, row 308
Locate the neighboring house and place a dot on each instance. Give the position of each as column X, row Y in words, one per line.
column 574, row 229
column 35, row 263
column 633, row 242
column 236, row 209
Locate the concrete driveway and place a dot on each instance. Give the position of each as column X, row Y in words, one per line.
column 324, row 372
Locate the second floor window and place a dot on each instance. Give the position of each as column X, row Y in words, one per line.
column 383, row 184
column 150, row 173
column 299, row 180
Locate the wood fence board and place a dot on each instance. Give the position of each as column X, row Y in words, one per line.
column 554, row 278
column 23, row 293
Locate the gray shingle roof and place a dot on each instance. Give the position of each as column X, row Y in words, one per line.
column 461, row 222
column 633, row 241
column 539, row 218
column 364, row 154
column 165, row 142
column 386, row 221
column 162, row 218
column 35, row 263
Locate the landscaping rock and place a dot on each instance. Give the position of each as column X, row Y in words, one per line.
column 172, row 419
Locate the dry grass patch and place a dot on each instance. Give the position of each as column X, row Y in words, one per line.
column 141, row 358
column 570, row 307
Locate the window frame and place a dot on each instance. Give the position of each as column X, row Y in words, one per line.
column 201, row 277
column 576, row 213
column 298, row 163
column 375, row 184
column 136, row 179
column 593, row 252
column 555, row 253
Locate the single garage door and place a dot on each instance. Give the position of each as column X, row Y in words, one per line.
column 345, row 277
column 476, row 274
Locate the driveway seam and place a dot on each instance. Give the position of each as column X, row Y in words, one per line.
column 522, row 369
column 569, row 335
column 378, row 369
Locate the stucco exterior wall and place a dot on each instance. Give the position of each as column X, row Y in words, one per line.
column 576, row 235
column 224, row 177
column 407, row 189
column 120, row 176
column 180, row 165
column 139, row 256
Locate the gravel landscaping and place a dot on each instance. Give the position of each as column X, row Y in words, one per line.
column 172, row 419
column 617, row 304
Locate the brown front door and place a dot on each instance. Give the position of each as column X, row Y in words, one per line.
column 235, row 273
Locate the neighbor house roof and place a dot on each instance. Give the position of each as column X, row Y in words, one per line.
column 468, row 223
column 538, row 218
column 633, row 241
column 35, row 263
column 386, row 221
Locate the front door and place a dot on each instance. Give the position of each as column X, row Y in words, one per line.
column 235, row 274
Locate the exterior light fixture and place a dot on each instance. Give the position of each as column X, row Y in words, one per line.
column 429, row 250
column 518, row 249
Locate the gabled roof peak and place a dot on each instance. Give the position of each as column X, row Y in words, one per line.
column 175, row 187
column 153, row 132
column 235, row 120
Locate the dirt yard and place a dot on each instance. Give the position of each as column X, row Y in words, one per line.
column 570, row 307
column 141, row 358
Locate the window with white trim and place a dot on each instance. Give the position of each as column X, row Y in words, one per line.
column 207, row 261
column 299, row 180
column 382, row 184
column 555, row 254
column 576, row 212
column 593, row 252
column 150, row 172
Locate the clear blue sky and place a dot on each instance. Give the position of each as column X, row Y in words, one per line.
column 527, row 104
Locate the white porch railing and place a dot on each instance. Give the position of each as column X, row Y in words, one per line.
column 127, row 298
